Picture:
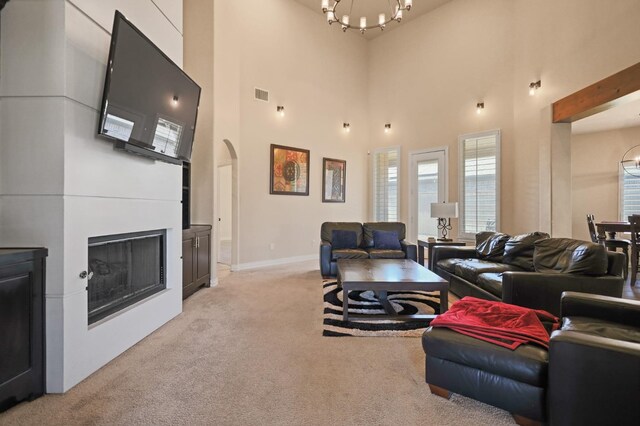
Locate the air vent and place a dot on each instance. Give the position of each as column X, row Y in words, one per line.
column 262, row 95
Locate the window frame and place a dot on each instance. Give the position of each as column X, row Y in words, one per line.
column 621, row 173
column 461, row 138
column 375, row 152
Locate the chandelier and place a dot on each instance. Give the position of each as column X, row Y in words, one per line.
column 631, row 161
column 338, row 13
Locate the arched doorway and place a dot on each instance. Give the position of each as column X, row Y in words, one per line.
column 227, row 210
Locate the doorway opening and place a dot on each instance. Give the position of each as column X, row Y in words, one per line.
column 227, row 211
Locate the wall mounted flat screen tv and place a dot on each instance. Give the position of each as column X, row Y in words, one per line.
column 149, row 105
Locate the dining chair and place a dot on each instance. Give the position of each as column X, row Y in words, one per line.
column 611, row 244
column 634, row 221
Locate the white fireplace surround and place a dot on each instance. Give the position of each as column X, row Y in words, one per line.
column 60, row 184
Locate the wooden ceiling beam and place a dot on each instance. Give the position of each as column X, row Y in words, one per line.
column 619, row 88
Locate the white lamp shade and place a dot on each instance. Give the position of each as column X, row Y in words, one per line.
column 444, row 210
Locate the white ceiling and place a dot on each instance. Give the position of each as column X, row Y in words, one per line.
column 371, row 9
column 621, row 116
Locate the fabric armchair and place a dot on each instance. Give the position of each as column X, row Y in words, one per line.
column 594, row 362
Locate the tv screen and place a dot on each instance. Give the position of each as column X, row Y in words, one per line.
column 149, row 105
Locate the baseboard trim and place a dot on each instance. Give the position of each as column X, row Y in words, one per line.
column 272, row 262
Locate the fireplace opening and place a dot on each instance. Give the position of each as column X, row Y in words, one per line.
column 124, row 269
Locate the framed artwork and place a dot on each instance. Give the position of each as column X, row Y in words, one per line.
column 289, row 170
column 334, row 180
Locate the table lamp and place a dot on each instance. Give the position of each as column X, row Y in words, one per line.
column 444, row 212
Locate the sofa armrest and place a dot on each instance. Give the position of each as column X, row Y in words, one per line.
column 543, row 291
column 451, row 252
column 605, row 308
column 325, row 258
column 410, row 250
column 593, row 380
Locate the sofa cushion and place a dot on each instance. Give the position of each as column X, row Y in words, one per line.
column 385, row 254
column 518, row 250
column 449, row 265
column 369, row 227
column 327, row 228
column 491, row 282
column 565, row 255
column 601, row 328
column 349, row 254
column 386, row 240
column 491, row 248
column 341, row 239
column 469, row 269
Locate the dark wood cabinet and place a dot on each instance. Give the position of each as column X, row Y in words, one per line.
column 22, row 338
column 196, row 259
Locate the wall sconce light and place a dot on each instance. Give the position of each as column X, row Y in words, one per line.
column 387, row 127
column 280, row 110
column 174, row 101
column 346, row 127
column 479, row 107
column 534, row 86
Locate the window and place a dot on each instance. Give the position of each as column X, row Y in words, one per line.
column 386, row 165
column 629, row 195
column 479, row 177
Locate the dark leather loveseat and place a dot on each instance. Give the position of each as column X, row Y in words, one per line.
column 530, row 270
column 364, row 245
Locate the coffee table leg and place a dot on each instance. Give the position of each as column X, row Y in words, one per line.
column 345, row 304
column 444, row 301
column 384, row 301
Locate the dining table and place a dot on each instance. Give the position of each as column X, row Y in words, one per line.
column 610, row 228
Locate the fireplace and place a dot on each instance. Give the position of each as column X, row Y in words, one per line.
column 124, row 269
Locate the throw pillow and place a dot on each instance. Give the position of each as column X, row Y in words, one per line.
column 518, row 251
column 565, row 255
column 343, row 239
column 386, row 240
column 492, row 248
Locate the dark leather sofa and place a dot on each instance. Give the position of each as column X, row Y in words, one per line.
column 365, row 246
column 589, row 376
column 530, row 270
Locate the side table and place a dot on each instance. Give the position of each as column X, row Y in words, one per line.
column 429, row 245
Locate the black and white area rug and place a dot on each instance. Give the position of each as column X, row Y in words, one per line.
column 366, row 303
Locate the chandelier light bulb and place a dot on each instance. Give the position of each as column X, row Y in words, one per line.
column 382, row 18
column 398, row 14
column 331, row 17
column 363, row 24
column 408, row 4
column 345, row 22
column 325, row 5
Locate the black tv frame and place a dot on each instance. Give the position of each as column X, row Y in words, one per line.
column 131, row 146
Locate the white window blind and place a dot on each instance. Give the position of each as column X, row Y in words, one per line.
column 629, row 195
column 479, row 178
column 386, row 184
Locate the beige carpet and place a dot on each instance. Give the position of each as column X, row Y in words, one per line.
column 251, row 352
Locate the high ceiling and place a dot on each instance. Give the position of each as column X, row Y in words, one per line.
column 625, row 115
column 371, row 9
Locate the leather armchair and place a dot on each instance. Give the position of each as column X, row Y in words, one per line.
column 594, row 362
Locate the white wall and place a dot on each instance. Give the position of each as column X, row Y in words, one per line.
column 319, row 75
column 60, row 184
column 595, row 162
column 468, row 51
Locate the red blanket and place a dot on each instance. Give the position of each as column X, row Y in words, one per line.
column 496, row 322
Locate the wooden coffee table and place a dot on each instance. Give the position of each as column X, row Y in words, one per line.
column 384, row 275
